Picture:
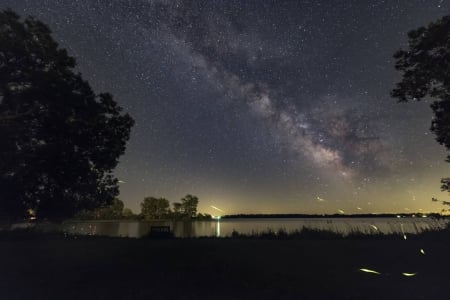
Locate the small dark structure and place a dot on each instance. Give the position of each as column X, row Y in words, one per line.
column 160, row 232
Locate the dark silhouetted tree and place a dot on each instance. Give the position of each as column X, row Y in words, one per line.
column 189, row 206
column 110, row 212
column 113, row 211
column 425, row 68
column 177, row 211
column 155, row 208
column 59, row 140
column 127, row 213
column 204, row 216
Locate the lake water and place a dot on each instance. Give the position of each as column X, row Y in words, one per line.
column 225, row 227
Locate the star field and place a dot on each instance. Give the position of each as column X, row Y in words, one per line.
column 259, row 106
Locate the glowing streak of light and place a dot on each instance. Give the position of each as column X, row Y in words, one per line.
column 370, row 271
column 121, row 181
column 374, row 227
column 404, row 235
column 422, row 251
column 216, row 208
column 359, row 208
column 409, row 274
column 341, row 211
column 320, row 199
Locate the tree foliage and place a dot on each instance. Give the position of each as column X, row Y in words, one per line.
column 113, row 211
column 177, row 210
column 425, row 68
column 110, row 212
column 189, row 206
column 159, row 208
column 60, row 140
column 127, row 213
column 155, row 208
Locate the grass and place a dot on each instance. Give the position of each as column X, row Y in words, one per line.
column 270, row 266
column 282, row 234
column 323, row 234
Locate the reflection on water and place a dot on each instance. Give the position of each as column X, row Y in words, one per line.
column 218, row 227
column 225, row 227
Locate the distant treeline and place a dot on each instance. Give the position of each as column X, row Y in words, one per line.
column 280, row 216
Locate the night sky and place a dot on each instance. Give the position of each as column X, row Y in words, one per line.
column 259, row 106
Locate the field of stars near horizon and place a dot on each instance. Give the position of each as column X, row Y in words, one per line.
column 259, row 106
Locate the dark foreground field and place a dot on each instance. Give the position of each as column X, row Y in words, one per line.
column 53, row 267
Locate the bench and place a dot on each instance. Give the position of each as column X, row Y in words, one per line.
column 160, row 232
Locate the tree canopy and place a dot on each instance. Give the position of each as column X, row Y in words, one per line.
column 155, row 208
column 60, row 140
column 159, row 208
column 425, row 68
column 113, row 211
column 189, row 206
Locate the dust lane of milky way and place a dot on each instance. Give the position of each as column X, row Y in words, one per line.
column 259, row 106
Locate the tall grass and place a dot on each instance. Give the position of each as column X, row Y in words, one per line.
column 324, row 234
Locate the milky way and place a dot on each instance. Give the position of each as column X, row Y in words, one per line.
column 259, row 106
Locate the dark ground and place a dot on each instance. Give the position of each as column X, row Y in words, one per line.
column 53, row 267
